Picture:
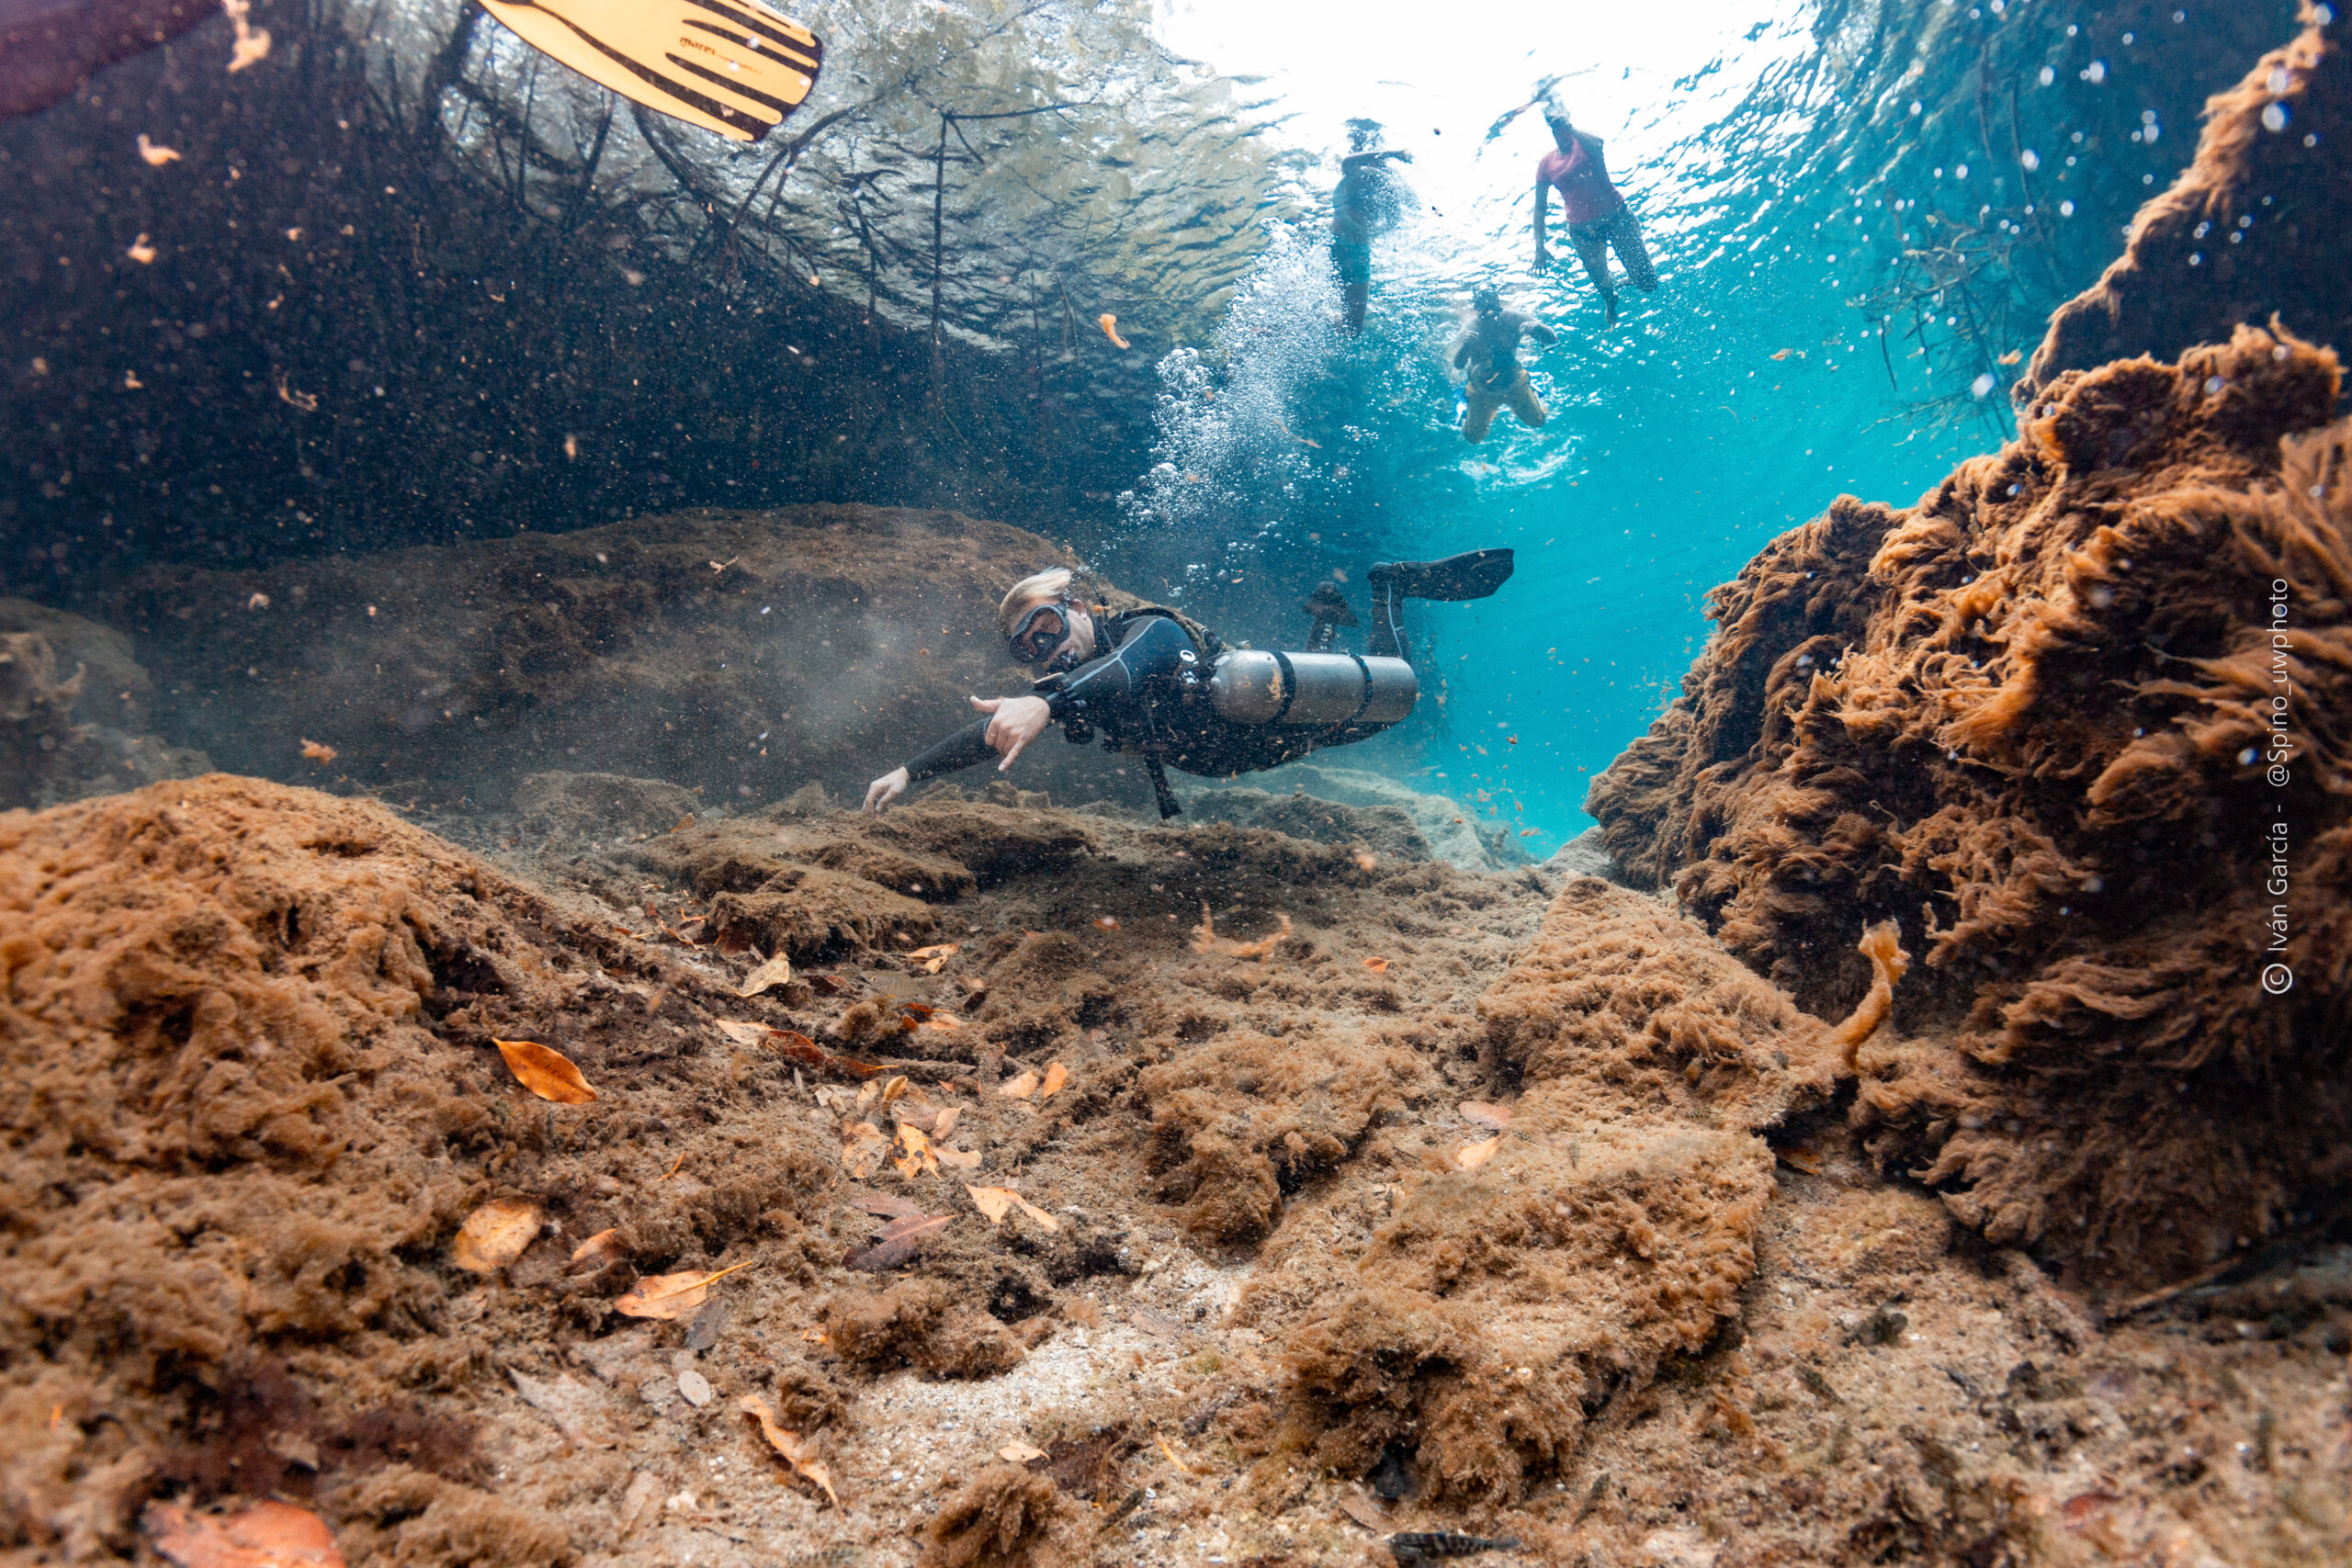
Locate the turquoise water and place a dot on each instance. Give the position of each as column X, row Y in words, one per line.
column 1764, row 154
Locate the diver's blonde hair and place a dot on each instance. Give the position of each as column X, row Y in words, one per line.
column 1042, row 587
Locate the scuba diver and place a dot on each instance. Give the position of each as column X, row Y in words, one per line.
column 1156, row 683
column 1488, row 352
column 1598, row 215
column 1368, row 200
column 738, row 69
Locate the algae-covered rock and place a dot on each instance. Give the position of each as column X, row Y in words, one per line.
column 2074, row 723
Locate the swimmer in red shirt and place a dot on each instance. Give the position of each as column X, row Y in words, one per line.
column 1598, row 216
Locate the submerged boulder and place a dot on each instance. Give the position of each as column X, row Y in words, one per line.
column 2074, row 723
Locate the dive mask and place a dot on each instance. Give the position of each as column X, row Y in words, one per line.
column 1039, row 632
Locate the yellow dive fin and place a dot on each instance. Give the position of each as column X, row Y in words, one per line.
column 732, row 66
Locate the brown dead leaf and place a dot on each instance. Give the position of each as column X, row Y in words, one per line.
column 912, row 1153
column 943, row 1022
column 889, row 1205
column 744, row 1033
column 1799, row 1157
column 962, row 1159
column 932, row 958
column 318, row 752
column 670, row 1296
column 776, row 972
column 829, row 985
column 545, row 1072
column 1377, row 965
column 684, row 823
column 1485, row 1115
column 943, row 1121
column 894, row 1087
column 1470, row 1157
column 797, row 1453
column 1019, row 1452
column 495, row 1235
column 598, row 1251
column 1020, row 1088
column 267, row 1535
column 1056, row 1075
column 862, row 1148
column 896, row 1241
column 1360, row 1507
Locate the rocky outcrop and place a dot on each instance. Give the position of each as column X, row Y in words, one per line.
column 2255, row 228
column 739, row 654
column 2075, row 723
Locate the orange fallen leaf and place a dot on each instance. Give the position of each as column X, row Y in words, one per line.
column 1056, row 1075
column 1485, row 1115
column 774, row 972
column 1020, row 1088
column 1110, row 325
column 744, row 1033
column 1799, row 1157
column 998, row 1201
column 916, row 1158
column 317, row 751
column 943, row 1022
column 1377, row 965
column 545, row 1072
column 597, row 1252
column 684, row 823
column 815, row 1335
column 1020, row 1452
column 862, row 1148
column 962, row 1159
column 1470, row 1157
column 267, row 1535
column 797, row 1453
column 671, row 1296
column 495, row 1235
column 894, row 1087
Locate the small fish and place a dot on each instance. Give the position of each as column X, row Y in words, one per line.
column 1423, row 1546
column 1110, row 325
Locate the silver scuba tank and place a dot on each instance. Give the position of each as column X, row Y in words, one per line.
column 1256, row 686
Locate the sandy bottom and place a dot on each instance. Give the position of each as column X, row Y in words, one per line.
column 1643, row 1302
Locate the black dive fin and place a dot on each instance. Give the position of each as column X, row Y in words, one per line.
column 1473, row 574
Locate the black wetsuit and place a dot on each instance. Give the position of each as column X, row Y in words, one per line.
column 1137, row 697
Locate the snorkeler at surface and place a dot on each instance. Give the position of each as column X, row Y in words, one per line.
column 1488, row 353
column 1160, row 685
column 1368, row 200
column 1598, row 216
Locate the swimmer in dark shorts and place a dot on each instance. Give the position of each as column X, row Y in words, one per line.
column 1599, row 219
column 1489, row 355
column 1369, row 200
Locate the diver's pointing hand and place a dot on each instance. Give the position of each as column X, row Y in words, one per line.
column 885, row 789
column 1016, row 721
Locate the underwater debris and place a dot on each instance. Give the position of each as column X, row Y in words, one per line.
column 1110, row 325
column 1880, row 945
column 1007, row 1516
column 252, row 43
column 669, row 1296
column 2015, row 721
column 318, row 752
column 1424, row 1546
column 155, row 154
column 794, row 1451
column 777, row 971
column 1207, row 940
